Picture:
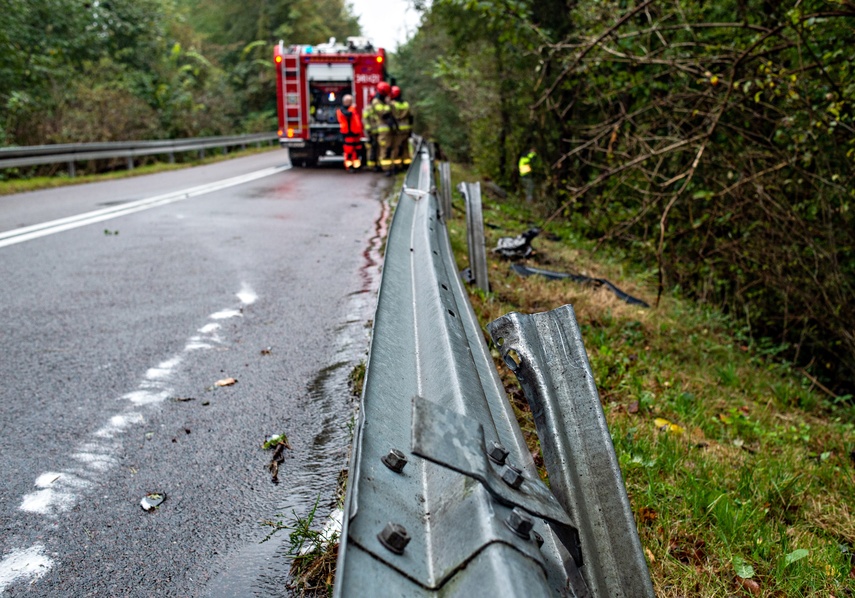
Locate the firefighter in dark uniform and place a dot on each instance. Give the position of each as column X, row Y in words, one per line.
column 350, row 126
column 386, row 127
column 369, row 125
column 404, row 118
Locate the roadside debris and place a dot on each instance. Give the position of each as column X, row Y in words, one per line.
column 152, row 500
column 226, row 382
column 516, row 247
column 277, row 442
column 183, row 399
column 266, row 350
column 523, row 270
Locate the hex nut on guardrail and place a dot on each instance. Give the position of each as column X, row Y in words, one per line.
column 512, row 476
column 395, row 460
column 394, row 537
column 519, row 523
column 497, row 452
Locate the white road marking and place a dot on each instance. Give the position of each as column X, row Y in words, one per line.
column 58, row 491
column 27, row 233
column 23, row 564
column 246, row 295
column 225, row 314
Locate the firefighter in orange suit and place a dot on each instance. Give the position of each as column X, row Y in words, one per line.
column 351, row 127
column 404, row 118
column 385, row 127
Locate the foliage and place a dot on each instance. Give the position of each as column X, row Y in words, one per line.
column 76, row 71
column 748, row 486
column 714, row 141
column 313, row 553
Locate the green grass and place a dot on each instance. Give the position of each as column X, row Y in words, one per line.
column 751, row 491
column 9, row 187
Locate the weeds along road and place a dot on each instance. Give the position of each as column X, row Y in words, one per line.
column 114, row 333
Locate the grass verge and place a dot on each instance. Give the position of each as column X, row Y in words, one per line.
column 9, row 187
column 740, row 472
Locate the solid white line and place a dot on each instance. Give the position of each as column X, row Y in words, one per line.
column 27, row 233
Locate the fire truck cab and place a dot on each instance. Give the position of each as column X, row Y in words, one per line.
column 310, row 82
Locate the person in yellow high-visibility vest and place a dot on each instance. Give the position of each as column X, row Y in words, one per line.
column 403, row 116
column 526, row 175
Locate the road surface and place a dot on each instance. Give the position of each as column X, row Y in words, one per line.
column 120, row 316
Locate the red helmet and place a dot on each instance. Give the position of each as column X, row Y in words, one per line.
column 396, row 91
column 383, row 88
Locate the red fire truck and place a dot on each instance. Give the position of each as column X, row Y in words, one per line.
column 310, row 82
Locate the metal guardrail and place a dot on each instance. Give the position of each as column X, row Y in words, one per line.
column 477, row 271
column 34, row 155
column 445, row 188
column 443, row 495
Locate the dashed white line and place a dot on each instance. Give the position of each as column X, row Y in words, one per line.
column 57, row 491
column 23, row 564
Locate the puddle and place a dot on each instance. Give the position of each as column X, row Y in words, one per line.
column 261, row 569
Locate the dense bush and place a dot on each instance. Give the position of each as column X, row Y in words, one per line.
column 713, row 141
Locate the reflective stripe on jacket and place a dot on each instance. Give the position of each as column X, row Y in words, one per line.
column 401, row 112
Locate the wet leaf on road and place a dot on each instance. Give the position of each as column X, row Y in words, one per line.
column 275, row 440
column 225, row 382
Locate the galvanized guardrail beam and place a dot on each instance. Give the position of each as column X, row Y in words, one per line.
column 427, row 343
column 443, row 497
column 546, row 353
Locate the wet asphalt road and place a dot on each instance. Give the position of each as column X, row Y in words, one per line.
column 110, row 347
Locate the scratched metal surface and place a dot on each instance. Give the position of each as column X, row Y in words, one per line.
column 427, row 343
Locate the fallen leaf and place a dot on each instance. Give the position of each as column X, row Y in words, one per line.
column 265, row 351
column 795, row 555
column 647, row 515
column 650, row 556
column 225, row 382
column 276, row 440
column 633, row 407
column 751, row 586
column 183, row 399
column 663, row 425
column 742, row 569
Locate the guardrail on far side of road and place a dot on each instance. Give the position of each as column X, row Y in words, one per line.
column 70, row 153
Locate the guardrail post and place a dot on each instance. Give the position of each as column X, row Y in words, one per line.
column 130, row 163
column 475, row 235
column 172, row 157
column 445, row 187
column 202, row 154
column 72, row 171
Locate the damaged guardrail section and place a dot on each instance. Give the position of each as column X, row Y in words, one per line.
column 443, row 496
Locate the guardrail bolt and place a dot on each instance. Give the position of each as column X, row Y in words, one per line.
column 512, row 476
column 538, row 539
column 395, row 460
column 394, row 537
column 497, row 452
column 519, row 523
